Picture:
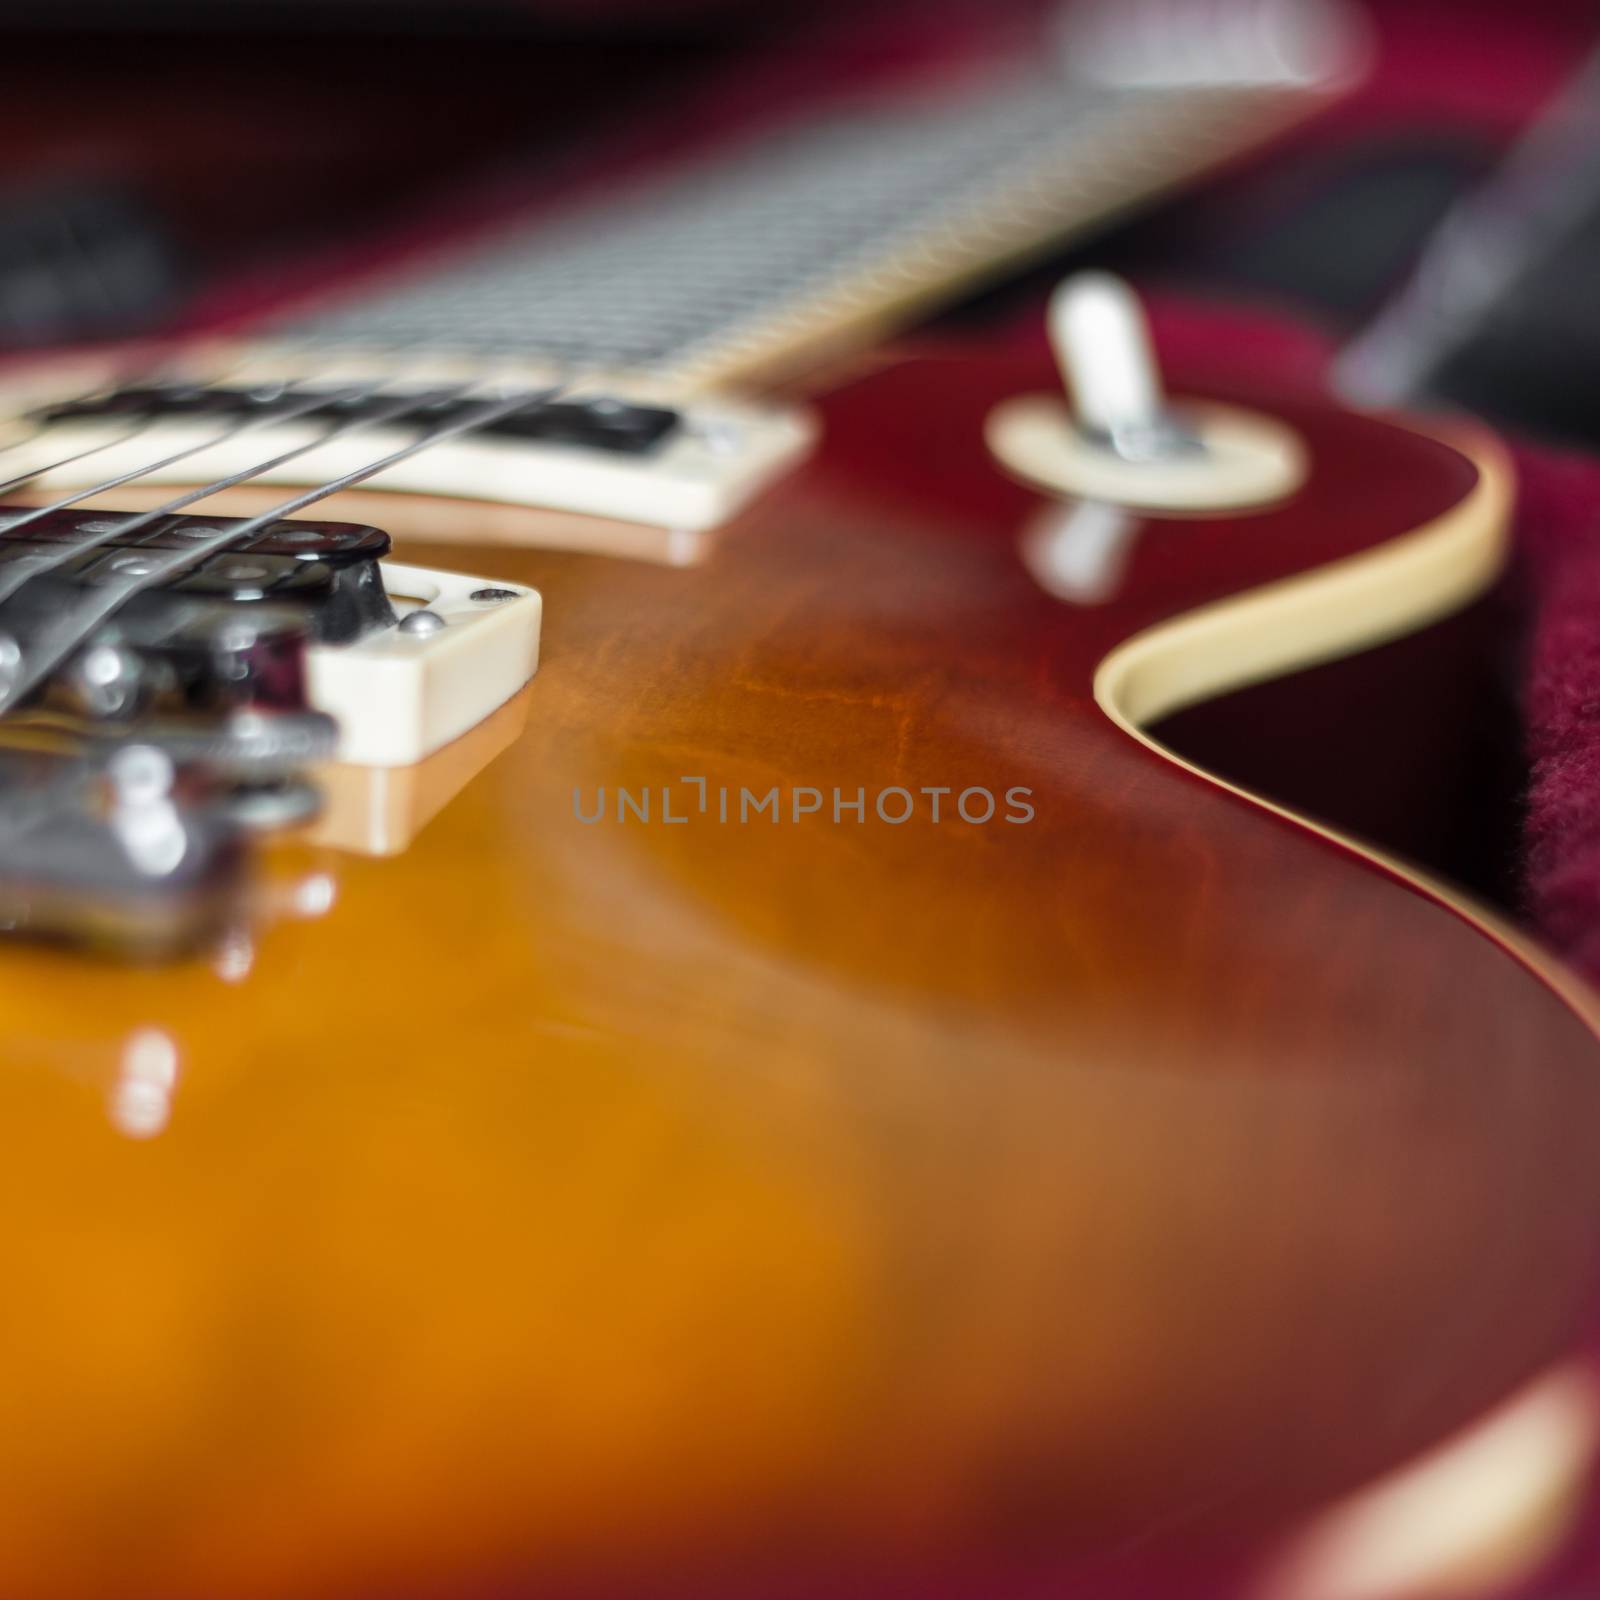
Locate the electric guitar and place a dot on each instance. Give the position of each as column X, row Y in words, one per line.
column 805, row 1095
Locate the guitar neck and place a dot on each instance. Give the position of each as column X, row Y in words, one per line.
column 747, row 266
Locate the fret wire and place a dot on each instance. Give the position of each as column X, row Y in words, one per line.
column 78, row 624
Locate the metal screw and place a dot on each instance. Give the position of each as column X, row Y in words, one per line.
column 142, row 774
column 108, row 680
column 236, row 637
column 421, row 624
column 492, row 596
column 10, row 663
column 102, row 666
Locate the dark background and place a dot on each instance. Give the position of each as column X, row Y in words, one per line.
column 153, row 152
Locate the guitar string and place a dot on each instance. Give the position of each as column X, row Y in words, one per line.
column 71, row 630
column 35, row 473
column 20, row 676
column 42, row 423
column 250, row 421
column 150, row 371
column 35, row 563
column 302, row 405
column 119, row 525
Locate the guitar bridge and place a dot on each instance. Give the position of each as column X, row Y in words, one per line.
column 118, row 850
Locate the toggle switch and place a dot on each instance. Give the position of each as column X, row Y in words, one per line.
column 1120, row 440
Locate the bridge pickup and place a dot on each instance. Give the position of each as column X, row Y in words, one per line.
column 326, row 571
column 227, row 631
column 601, row 422
column 295, row 615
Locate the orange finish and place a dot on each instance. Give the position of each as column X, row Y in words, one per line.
column 668, row 1203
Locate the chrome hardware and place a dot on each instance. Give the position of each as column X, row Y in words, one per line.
column 423, row 624
column 144, row 817
column 106, row 681
column 1102, row 345
column 263, row 807
column 255, row 746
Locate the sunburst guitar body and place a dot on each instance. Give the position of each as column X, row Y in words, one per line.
column 802, row 1094
column 675, row 1160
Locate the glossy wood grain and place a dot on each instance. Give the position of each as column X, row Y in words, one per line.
column 675, row 1205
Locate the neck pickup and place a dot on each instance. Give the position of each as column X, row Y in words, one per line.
column 600, row 422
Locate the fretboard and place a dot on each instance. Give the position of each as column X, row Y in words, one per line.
column 746, row 265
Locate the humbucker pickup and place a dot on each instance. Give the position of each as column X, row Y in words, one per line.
column 684, row 468
column 295, row 616
column 600, row 422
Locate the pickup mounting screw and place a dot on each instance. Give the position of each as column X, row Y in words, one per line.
column 492, row 596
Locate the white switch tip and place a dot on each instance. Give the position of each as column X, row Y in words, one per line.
column 1102, row 346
